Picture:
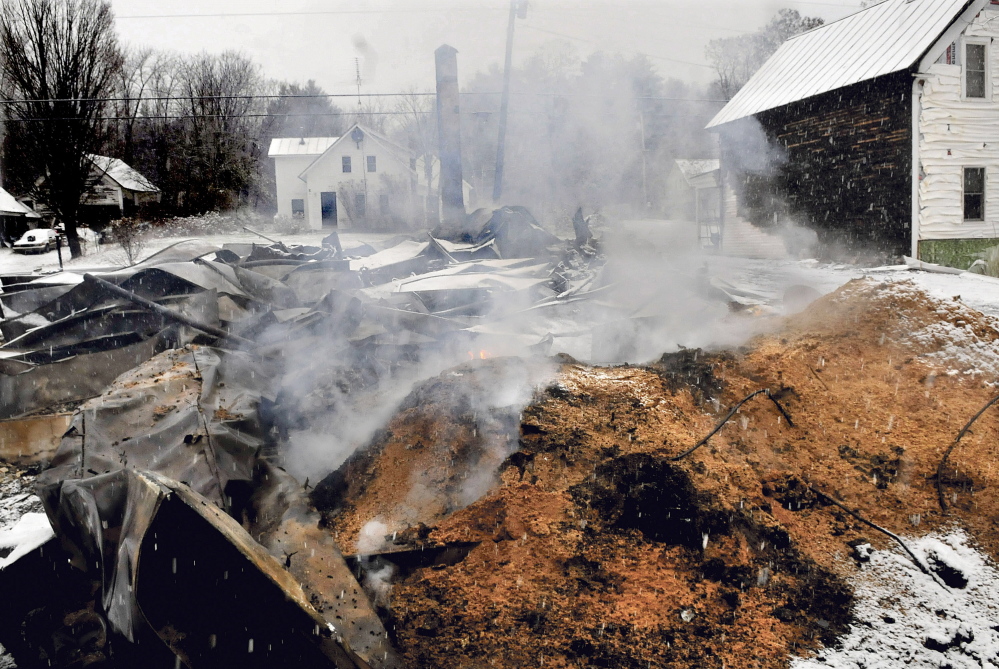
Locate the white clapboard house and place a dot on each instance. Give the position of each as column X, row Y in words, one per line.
column 886, row 130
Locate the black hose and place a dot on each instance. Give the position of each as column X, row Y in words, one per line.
column 960, row 435
column 880, row 529
column 731, row 413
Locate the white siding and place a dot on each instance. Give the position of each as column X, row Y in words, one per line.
column 392, row 177
column 742, row 238
column 288, row 186
column 954, row 134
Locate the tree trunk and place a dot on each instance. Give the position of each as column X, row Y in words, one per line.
column 73, row 238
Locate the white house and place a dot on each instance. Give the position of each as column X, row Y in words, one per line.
column 291, row 156
column 359, row 180
column 887, row 124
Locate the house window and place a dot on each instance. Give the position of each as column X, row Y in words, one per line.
column 297, row 208
column 974, row 193
column 974, row 70
column 360, row 205
column 346, row 164
column 383, row 203
column 371, row 163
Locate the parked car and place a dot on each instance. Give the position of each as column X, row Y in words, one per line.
column 42, row 240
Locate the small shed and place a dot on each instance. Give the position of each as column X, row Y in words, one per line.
column 692, row 195
column 115, row 190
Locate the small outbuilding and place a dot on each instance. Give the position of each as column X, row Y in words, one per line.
column 692, row 195
column 115, row 190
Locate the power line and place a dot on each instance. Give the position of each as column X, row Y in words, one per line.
column 185, row 98
column 181, row 117
column 327, row 12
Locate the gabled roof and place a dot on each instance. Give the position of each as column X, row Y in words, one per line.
column 695, row 168
column 11, row 207
column 887, row 37
column 401, row 153
column 299, row 146
column 122, row 174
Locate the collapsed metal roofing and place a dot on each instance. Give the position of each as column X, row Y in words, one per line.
column 882, row 39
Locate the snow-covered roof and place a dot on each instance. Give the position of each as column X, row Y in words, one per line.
column 299, row 146
column 695, row 168
column 123, row 175
column 885, row 38
column 11, row 207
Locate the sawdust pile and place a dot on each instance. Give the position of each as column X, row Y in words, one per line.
column 592, row 548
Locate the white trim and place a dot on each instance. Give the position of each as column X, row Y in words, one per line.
column 917, row 95
column 986, row 84
column 952, row 34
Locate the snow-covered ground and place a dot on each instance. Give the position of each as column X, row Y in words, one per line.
column 904, row 618
column 773, row 277
column 111, row 255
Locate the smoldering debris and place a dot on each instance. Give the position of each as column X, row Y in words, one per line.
column 234, row 400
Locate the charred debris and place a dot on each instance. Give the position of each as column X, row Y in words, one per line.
column 161, row 400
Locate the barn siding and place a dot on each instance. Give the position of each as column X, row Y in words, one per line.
column 841, row 167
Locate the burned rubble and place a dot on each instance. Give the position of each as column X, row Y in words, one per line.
column 367, row 456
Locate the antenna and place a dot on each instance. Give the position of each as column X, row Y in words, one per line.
column 357, row 69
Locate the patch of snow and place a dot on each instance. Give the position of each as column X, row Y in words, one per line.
column 17, row 497
column 29, row 533
column 959, row 347
column 904, row 618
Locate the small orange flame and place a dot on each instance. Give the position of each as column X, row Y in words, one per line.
column 483, row 355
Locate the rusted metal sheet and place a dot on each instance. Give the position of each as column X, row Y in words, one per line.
column 33, row 440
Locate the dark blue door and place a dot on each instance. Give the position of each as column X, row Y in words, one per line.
column 328, row 203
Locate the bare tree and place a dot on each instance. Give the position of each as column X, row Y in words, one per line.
column 221, row 128
column 419, row 127
column 60, row 59
column 737, row 58
column 133, row 81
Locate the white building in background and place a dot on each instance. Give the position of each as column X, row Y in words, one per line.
column 361, row 180
column 291, row 156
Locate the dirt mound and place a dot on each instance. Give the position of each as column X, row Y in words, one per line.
column 593, row 548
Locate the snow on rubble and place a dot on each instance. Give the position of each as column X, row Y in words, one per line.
column 959, row 339
column 904, row 618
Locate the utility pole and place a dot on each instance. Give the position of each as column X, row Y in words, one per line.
column 357, row 69
column 518, row 8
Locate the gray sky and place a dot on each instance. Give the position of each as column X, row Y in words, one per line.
column 394, row 40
